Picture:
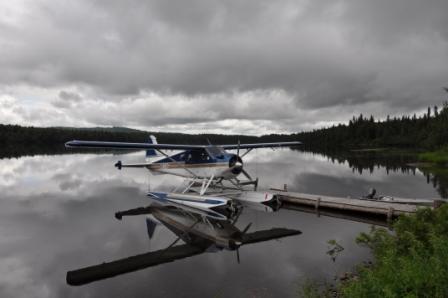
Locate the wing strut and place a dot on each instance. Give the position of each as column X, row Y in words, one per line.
column 205, row 187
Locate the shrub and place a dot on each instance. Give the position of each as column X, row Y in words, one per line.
column 412, row 262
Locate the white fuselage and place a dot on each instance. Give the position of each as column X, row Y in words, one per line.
column 203, row 170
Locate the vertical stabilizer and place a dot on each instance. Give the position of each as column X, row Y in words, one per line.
column 151, row 152
column 151, row 227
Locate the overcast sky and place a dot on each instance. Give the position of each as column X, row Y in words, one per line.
column 236, row 66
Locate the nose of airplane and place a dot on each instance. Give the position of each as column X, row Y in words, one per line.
column 234, row 244
column 236, row 164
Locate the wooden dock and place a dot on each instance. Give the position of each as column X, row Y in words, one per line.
column 370, row 219
column 386, row 210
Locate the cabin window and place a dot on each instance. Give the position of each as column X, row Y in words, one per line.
column 217, row 152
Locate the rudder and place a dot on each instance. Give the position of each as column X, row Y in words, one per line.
column 151, row 152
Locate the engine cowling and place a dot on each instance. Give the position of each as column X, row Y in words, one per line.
column 236, row 164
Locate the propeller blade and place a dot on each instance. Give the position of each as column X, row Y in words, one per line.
column 246, row 174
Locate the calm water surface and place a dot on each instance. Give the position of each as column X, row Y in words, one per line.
column 57, row 214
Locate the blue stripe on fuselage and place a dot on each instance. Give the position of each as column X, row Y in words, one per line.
column 158, row 195
column 161, row 196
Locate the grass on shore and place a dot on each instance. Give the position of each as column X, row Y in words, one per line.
column 439, row 157
column 411, row 262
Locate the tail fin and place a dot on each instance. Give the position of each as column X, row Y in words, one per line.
column 151, row 152
column 151, row 226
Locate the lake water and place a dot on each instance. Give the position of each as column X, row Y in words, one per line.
column 57, row 214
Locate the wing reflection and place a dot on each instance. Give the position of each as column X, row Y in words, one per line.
column 199, row 233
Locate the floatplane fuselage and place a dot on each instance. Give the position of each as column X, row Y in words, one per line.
column 194, row 161
column 201, row 165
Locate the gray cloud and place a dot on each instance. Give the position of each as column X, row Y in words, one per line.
column 321, row 54
column 66, row 99
column 70, row 96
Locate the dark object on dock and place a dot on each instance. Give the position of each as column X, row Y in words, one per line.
column 410, row 201
column 371, row 195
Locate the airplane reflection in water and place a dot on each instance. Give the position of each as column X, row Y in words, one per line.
column 199, row 232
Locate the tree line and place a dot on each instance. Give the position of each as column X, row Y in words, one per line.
column 428, row 131
column 18, row 140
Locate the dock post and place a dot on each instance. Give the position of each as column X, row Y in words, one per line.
column 316, row 206
column 390, row 214
column 285, row 187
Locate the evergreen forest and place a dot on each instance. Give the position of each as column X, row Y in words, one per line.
column 426, row 132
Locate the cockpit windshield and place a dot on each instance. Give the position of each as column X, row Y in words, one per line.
column 215, row 151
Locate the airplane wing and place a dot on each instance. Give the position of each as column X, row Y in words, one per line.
column 124, row 145
column 261, row 145
column 106, row 270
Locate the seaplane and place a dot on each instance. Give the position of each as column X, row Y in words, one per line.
column 199, row 233
column 205, row 169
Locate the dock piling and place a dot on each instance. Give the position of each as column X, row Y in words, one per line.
column 390, row 214
column 316, row 206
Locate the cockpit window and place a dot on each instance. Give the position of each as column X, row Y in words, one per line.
column 215, row 151
column 197, row 156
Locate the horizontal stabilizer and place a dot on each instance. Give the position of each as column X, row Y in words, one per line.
column 134, row 211
column 120, row 165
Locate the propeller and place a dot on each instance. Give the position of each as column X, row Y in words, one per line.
column 239, row 243
column 236, row 162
